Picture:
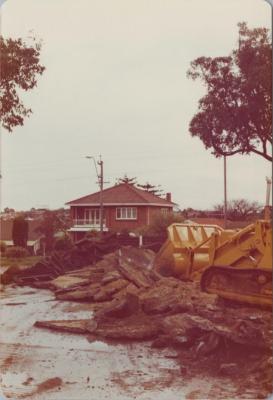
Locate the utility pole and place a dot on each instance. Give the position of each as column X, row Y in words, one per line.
column 100, row 163
column 100, row 182
column 225, row 192
column 267, row 200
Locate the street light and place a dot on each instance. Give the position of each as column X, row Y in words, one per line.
column 95, row 164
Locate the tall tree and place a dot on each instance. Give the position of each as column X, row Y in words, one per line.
column 148, row 187
column 235, row 115
column 20, row 66
column 154, row 189
column 51, row 223
column 20, row 231
column 126, row 179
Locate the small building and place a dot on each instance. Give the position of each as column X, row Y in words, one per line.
column 125, row 207
column 34, row 242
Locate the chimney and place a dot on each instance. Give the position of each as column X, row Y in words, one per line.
column 169, row 197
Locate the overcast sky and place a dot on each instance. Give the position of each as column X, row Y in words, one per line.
column 115, row 84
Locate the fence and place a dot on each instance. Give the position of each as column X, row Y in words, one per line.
column 148, row 242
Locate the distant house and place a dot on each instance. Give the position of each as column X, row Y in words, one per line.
column 34, row 242
column 125, row 207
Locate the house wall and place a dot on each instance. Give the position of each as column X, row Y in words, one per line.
column 118, row 225
column 155, row 211
column 145, row 216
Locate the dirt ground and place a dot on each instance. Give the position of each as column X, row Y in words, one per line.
column 47, row 365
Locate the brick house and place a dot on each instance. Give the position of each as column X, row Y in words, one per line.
column 125, row 207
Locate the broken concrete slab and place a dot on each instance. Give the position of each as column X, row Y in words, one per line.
column 85, row 293
column 71, row 326
column 110, row 277
column 68, row 281
column 105, row 292
column 132, row 275
column 136, row 327
column 120, row 307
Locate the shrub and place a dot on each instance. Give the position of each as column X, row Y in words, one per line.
column 3, row 247
column 20, row 231
column 92, row 234
column 161, row 222
column 124, row 232
column 16, row 252
column 63, row 243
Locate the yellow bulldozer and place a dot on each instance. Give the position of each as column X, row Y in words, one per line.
column 234, row 264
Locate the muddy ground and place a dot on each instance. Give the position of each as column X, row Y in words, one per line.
column 45, row 365
column 118, row 330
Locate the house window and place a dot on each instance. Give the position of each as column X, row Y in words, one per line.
column 92, row 216
column 126, row 213
column 164, row 211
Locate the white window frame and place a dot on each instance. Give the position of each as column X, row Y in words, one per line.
column 126, row 213
column 165, row 211
column 92, row 215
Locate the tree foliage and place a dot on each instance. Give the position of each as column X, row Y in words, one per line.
column 20, row 231
column 63, row 243
column 126, row 179
column 154, row 189
column 3, row 247
column 160, row 224
column 148, row 187
column 235, row 115
column 20, row 67
column 240, row 209
column 51, row 223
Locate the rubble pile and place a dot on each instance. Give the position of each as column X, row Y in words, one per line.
column 133, row 302
column 85, row 252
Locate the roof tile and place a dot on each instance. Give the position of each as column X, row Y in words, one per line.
column 122, row 194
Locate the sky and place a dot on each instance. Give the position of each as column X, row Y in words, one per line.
column 115, row 85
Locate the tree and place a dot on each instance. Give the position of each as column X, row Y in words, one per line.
column 148, row 187
column 154, row 189
column 63, row 243
column 126, row 179
column 160, row 224
column 20, row 66
column 9, row 210
column 235, row 115
column 240, row 209
column 3, row 247
column 52, row 222
column 20, row 231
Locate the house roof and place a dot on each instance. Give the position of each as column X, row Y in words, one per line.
column 6, row 230
column 122, row 194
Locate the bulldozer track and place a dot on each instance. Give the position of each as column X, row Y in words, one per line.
column 252, row 286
